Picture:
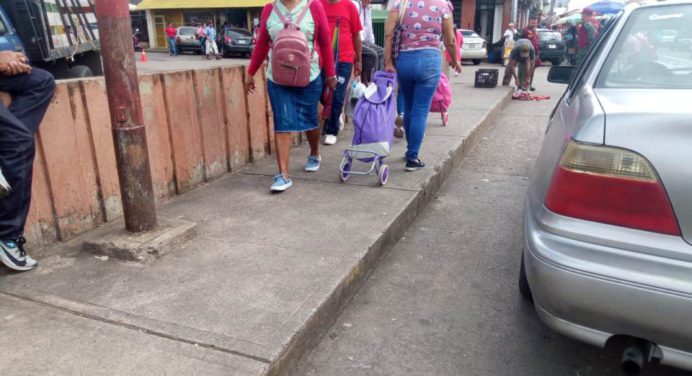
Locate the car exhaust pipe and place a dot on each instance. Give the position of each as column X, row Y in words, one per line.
column 636, row 355
column 632, row 360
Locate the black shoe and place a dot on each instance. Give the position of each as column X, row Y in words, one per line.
column 414, row 165
column 532, row 88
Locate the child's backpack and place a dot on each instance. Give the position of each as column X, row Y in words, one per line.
column 291, row 57
column 443, row 96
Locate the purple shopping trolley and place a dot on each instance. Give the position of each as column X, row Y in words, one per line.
column 373, row 120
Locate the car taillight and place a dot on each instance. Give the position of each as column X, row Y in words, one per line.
column 610, row 185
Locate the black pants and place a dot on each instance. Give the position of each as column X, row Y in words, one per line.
column 373, row 59
column 31, row 95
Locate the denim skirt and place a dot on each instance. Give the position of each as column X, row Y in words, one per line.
column 295, row 108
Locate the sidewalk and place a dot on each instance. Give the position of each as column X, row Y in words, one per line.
column 265, row 277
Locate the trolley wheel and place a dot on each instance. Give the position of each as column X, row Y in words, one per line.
column 345, row 174
column 445, row 118
column 383, row 174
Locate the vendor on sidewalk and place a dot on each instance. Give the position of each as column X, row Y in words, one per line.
column 523, row 55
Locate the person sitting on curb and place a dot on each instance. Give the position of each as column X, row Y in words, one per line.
column 294, row 108
column 524, row 55
column 32, row 90
column 349, row 62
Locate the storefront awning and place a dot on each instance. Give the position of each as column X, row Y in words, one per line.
column 200, row 4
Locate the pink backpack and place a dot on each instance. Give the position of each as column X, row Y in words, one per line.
column 291, row 58
column 443, row 96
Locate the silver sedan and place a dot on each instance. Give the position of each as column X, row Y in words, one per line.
column 608, row 214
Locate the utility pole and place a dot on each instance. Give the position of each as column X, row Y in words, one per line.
column 129, row 134
column 551, row 13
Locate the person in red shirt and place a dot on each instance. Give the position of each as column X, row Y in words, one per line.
column 349, row 62
column 171, row 32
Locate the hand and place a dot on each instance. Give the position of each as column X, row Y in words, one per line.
column 357, row 68
column 250, row 84
column 331, row 83
column 13, row 63
column 456, row 66
column 516, row 83
column 389, row 67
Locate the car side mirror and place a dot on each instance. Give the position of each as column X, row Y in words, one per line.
column 561, row 74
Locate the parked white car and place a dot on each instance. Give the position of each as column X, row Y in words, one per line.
column 474, row 47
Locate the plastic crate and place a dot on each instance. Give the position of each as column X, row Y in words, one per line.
column 486, row 78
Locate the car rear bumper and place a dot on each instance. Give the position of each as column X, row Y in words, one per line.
column 238, row 48
column 473, row 54
column 550, row 54
column 591, row 291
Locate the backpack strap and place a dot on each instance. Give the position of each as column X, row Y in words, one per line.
column 303, row 12
column 285, row 20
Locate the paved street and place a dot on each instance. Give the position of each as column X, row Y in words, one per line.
column 444, row 300
column 162, row 62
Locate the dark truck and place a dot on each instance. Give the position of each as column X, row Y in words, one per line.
column 59, row 36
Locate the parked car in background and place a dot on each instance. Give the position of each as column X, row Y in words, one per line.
column 474, row 47
column 607, row 252
column 186, row 40
column 552, row 46
column 236, row 41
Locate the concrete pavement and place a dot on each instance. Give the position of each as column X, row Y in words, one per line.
column 444, row 301
column 160, row 62
column 266, row 276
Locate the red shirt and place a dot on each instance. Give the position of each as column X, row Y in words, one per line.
column 349, row 26
column 171, row 32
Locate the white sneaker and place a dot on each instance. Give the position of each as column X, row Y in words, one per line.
column 342, row 123
column 12, row 254
column 329, row 139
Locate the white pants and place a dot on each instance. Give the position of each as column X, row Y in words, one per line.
column 212, row 47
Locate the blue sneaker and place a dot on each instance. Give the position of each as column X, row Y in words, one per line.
column 313, row 163
column 281, row 184
column 12, row 254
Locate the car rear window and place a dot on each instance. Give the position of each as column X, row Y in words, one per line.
column 187, row 31
column 238, row 33
column 648, row 54
column 471, row 34
column 549, row 36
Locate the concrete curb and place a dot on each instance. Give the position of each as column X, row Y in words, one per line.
column 324, row 316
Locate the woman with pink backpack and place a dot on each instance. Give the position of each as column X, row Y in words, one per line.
column 295, row 35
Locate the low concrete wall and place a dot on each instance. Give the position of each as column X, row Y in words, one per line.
column 200, row 124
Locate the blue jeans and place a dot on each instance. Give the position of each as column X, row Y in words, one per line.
column 343, row 76
column 18, row 123
column 171, row 46
column 419, row 73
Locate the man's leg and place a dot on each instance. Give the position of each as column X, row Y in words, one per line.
column 18, row 124
column 369, row 62
column 522, row 70
column 380, row 55
column 343, row 76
